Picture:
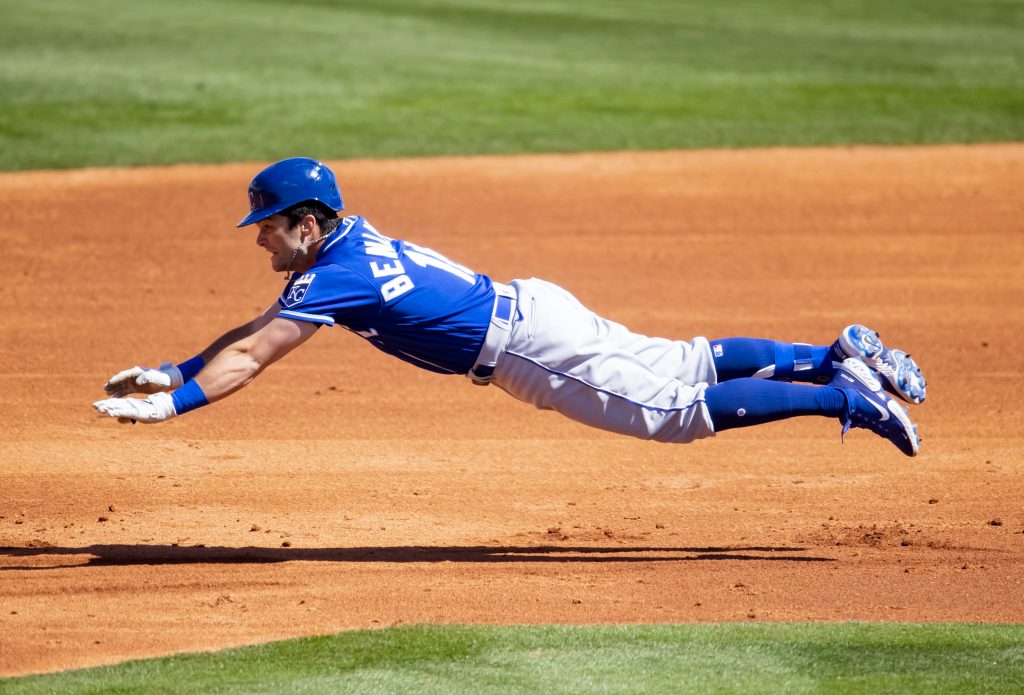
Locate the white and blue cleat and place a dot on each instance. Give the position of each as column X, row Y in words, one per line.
column 902, row 375
column 869, row 407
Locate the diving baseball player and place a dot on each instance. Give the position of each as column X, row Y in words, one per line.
column 530, row 338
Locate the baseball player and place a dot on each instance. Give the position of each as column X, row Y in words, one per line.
column 530, row 338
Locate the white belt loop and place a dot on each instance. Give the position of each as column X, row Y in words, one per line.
column 498, row 333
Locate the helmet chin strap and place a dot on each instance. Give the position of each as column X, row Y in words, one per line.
column 288, row 268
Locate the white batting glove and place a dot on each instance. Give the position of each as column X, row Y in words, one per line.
column 166, row 377
column 156, row 408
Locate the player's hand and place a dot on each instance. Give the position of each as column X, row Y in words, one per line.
column 156, row 408
column 166, row 377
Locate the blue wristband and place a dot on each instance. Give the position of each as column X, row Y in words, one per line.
column 188, row 397
column 189, row 368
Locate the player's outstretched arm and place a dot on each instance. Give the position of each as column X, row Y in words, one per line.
column 239, row 363
column 233, row 367
column 169, row 376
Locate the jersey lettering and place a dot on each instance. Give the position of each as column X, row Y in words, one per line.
column 405, row 299
column 387, row 269
column 396, row 287
column 377, row 245
column 380, row 246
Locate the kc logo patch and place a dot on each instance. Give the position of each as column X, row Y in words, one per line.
column 297, row 292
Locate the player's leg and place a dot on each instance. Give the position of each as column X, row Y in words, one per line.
column 770, row 359
column 854, row 396
column 563, row 357
column 699, row 361
column 747, row 401
column 690, row 362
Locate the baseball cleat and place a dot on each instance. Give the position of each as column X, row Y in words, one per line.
column 868, row 406
column 902, row 375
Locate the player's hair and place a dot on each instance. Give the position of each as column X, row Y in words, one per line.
column 324, row 216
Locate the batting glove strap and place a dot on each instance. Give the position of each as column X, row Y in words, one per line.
column 173, row 373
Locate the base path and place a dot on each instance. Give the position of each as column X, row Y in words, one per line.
column 345, row 489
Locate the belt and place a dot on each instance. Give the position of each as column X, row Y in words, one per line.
column 498, row 332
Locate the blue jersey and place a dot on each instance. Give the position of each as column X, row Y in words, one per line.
column 406, row 300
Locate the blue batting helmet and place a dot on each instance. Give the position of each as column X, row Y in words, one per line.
column 290, row 182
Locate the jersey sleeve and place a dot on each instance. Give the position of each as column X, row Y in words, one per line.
column 327, row 295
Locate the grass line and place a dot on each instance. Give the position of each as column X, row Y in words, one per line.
column 112, row 82
column 732, row 657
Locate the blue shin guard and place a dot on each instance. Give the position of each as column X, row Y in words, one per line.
column 771, row 359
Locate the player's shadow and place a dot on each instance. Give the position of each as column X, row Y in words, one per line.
column 126, row 555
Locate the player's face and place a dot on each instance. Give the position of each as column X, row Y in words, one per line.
column 279, row 241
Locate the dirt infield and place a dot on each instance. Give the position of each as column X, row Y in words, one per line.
column 345, row 489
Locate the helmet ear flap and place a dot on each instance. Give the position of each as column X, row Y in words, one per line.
column 290, row 182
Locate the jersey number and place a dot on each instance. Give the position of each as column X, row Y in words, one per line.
column 400, row 283
column 426, row 257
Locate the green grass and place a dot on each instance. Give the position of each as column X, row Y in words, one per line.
column 735, row 657
column 126, row 82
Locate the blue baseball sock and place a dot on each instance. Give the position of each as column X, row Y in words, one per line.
column 744, row 402
column 771, row 359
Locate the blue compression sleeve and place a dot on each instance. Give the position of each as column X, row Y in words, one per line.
column 745, row 402
column 190, row 367
column 188, row 397
column 740, row 357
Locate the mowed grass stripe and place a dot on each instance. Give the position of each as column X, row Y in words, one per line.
column 112, row 82
column 733, row 657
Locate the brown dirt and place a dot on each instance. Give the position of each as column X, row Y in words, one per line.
column 345, row 490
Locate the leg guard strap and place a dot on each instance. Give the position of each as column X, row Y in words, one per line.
column 791, row 358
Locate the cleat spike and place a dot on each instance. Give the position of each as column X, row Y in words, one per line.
column 902, row 375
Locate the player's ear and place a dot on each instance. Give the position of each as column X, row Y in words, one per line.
column 308, row 226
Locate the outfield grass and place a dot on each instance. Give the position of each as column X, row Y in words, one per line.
column 126, row 82
column 735, row 657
